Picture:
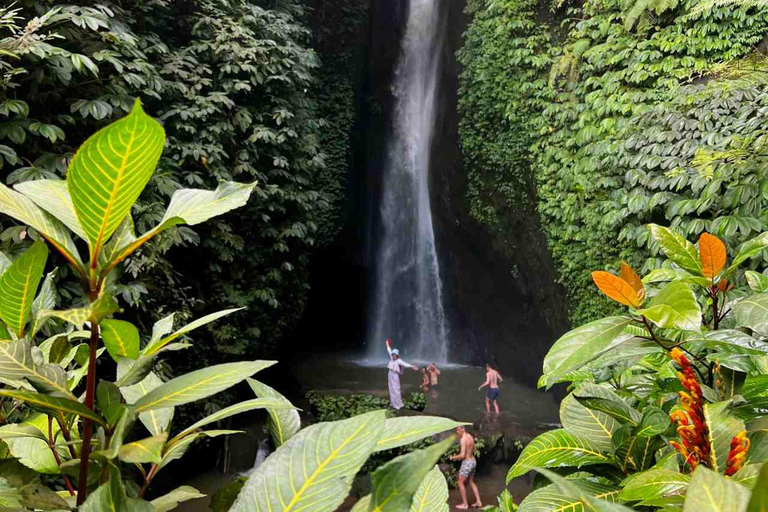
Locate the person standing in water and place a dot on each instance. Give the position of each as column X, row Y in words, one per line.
column 424, row 380
column 396, row 366
column 467, row 469
column 433, row 373
column 492, row 379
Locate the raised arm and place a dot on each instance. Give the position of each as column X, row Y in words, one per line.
column 389, row 348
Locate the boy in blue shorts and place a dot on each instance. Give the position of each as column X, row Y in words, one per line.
column 492, row 379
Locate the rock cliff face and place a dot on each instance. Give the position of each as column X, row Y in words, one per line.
column 501, row 308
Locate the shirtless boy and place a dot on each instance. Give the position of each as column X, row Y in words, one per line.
column 467, row 470
column 492, row 379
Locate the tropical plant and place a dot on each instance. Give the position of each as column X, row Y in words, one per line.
column 667, row 401
column 56, row 436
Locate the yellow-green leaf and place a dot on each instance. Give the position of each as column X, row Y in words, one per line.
column 53, row 403
column 121, row 338
column 23, row 209
column 18, row 286
column 199, row 384
column 146, row 450
column 283, row 423
column 109, row 172
column 53, row 197
column 314, row 469
column 432, row 494
column 554, row 449
column 402, row 431
column 712, row 492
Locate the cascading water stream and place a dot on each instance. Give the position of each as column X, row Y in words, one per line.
column 408, row 304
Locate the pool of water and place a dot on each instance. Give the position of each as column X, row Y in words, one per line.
column 525, row 412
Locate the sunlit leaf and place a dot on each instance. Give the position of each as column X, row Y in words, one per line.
column 678, row 249
column 723, row 426
column 53, row 403
column 432, row 494
column 18, row 286
column 402, row 431
column 198, row 384
column 53, row 197
column 170, row 501
column 712, row 492
column 109, row 172
column 121, row 338
column 22, row 208
column 396, row 482
column 581, row 345
column 629, row 275
column 283, row 423
column 148, row 450
column 156, row 345
column 654, row 483
column 156, row 420
column 674, row 307
column 551, row 499
column 752, row 312
column 289, row 481
column 557, row 448
column 16, row 363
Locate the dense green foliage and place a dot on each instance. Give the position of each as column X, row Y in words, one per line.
column 329, row 407
column 666, row 407
column 236, row 86
column 590, row 138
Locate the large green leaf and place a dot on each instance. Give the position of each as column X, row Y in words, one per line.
column 109, row 172
column 283, row 423
column 654, row 483
column 432, row 494
column 95, row 311
column 603, row 399
column 198, row 384
column 402, row 431
column 551, row 499
column 581, row 345
column 634, row 451
column 576, row 489
column 589, row 424
column 723, row 426
column 111, row 497
column 712, row 492
column 170, row 501
column 239, row 408
column 33, row 451
column 554, row 449
column 758, row 448
column 155, row 346
column 312, row 471
column 156, row 420
column 10, row 497
column 19, row 430
column 23, row 209
column 18, row 286
column 731, row 341
column 174, row 450
column 53, row 197
column 396, row 482
column 121, row 338
column 188, row 206
column 53, row 403
column 16, row 363
column 752, row 312
column 749, row 249
column 676, row 248
column 759, row 500
column 674, row 307
column 748, row 475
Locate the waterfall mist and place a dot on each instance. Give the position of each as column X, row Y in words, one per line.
column 408, row 303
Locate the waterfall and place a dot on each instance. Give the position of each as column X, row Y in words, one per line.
column 408, row 305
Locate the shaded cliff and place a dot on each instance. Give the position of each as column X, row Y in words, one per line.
column 501, row 307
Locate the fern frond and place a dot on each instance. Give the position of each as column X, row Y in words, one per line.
column 635, row 9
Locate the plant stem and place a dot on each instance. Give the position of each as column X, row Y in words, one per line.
column 148, row 480
column 715, row 317
column 90, row 391
column 52, row 446
column 67, row 437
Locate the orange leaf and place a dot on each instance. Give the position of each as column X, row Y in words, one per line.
column 629, row 275
column 616, row 288
column 712, row 255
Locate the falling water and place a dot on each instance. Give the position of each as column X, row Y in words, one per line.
column 408, row 304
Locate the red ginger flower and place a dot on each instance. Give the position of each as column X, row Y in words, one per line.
column 738, row 454
column 692, row 428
